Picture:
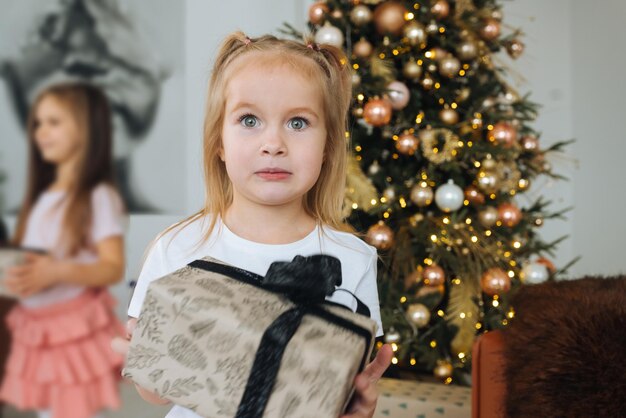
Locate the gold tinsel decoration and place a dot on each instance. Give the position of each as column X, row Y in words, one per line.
column 382, row 68
column 462, row 6
column 461, row 301
column 359, row 188
column 430, row 145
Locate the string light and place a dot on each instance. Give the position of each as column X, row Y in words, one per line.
column 495, row 303
column 394, row 360
column 403, row 299
column 433, row 344
column 441, row 313
column 394, row 347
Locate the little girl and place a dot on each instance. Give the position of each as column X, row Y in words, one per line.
column 275, row 158
column 60, row 362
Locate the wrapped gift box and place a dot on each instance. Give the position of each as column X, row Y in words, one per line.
column 9, row 257
column 411, row 399
column 211, row 339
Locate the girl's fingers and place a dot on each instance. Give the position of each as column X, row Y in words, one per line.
column 120, row 346
column 376, row 368
column 130, row 327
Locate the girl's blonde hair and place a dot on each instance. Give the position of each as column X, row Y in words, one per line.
column 91, row 112
column 322, row 64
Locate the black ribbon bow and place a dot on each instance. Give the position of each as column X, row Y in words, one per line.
column 306, row 281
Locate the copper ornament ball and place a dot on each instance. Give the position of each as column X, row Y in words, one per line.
column 422, row 195
column 428, row 82
column 490, row 29
column 380, row 236
column 407, row 144
column 474, row 196
column 389, row 17
column 441, row 9
column 318, row 12
column 495, row 281
column 503, row 133
column 443, row 370
column 377, row 112
column 515, row 48
column 363, row 48
column 509, row 214
column 433, row 275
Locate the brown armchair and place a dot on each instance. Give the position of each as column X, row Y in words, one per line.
column 562, row 356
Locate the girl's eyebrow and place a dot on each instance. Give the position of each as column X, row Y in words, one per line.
column 300, row 109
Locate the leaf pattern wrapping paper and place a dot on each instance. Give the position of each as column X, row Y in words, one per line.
column 198, row 333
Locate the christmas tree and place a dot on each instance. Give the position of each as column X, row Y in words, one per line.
column 443, row 147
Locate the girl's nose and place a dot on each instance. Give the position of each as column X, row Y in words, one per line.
column 273, row 144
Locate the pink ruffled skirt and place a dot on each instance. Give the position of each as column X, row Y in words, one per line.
column 60, row 358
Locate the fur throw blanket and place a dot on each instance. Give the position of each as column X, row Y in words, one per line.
column 565, row 350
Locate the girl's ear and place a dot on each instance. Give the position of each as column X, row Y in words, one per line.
column 220, row 153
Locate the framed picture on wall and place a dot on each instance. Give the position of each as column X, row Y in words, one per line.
column 134, row 51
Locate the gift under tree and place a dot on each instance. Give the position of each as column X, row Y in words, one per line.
column 443, row 149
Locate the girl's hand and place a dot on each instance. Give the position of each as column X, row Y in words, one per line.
column 366, row 396
column 120, row 346
column 38, row 273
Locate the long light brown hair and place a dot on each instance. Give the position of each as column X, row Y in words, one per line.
column 325, row 66
column 91, row 112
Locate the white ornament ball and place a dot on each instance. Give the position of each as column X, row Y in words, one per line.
column 418, row 314
column 398, row 94
column 329, row 35
column 449, row 197
column 533, row 273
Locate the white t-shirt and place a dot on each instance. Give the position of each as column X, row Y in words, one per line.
column 44, row 232
column 181, row 246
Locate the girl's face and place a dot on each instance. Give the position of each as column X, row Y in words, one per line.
column 56, row 132
column 273, row 136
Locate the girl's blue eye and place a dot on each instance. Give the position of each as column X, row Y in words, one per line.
column 298, row 123
column 249, row 121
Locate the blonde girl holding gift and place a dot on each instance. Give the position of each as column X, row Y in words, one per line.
column 60, row 362
column 275, row 157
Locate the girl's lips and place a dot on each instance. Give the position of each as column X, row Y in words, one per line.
column 273, row 174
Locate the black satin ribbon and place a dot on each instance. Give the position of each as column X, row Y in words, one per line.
column 306, row 281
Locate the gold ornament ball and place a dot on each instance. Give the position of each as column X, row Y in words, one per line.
column 488, row 181
column 363, row 48
column 509, row 214
column 418, row 314
column 530, row 143
column 489, row 163
column 361, row 15
column 488, row 217
column 377, row 112
column 449, row 66
column 467, row 50
column 407, row 144
column 489, row 102
column 473, row 195
column 523, row 184
column 441, row 9
column 415, row 32
column 422, row 195
column 495, row 281
column 358, row 112
column 428, row 82
column 356, row 79
column 432, row 68
column 477, row 122
column 463, row 94
column 329, row 34
column 374, row 168
column 539, row 222
column 380, row 236
column 389, row 17
column 398, row 94
column 411, row 70
column 443, row 370
column 430, row 290
column 433, row 275
column 449, row 116
column 504, row 133
column 318, row 12
column 515, row 48
column 490, row 29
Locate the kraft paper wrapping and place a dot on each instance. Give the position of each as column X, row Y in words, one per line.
column 198, row 333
